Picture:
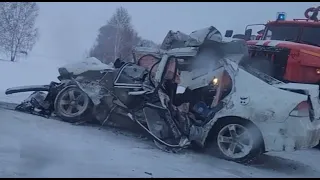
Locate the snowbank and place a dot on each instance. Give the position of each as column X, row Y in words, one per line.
column 25, row 72
column 87, row 64
column 35, row 71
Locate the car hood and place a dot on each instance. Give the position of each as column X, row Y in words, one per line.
column 88, row 64
column 283, row 44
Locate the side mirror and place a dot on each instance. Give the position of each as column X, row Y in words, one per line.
column 228, row 33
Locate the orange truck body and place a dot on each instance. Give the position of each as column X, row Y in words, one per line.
column 303, row 60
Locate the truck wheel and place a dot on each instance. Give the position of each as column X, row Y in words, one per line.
column 239, row 141
column 72, row 104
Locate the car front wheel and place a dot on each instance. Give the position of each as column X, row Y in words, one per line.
column 72, row 104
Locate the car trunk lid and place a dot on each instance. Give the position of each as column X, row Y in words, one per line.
column 312, row 91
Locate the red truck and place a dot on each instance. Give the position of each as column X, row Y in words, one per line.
column 288, row 50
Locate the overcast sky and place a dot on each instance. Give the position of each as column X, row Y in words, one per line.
column 68, row 29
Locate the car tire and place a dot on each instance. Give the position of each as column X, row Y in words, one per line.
column 243, row 129
column 72, row 97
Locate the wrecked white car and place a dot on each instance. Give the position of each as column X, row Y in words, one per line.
column 191, row 92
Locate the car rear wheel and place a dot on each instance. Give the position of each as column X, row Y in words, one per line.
column 72, row 104
column 238, row 141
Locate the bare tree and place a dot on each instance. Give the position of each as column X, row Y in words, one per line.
column 147, row 43
column 85, row 54
column 17, row 27
column 103, row 48
column 116, row 38
column 125, row 34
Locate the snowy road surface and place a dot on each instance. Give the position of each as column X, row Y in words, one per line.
column 31, row 146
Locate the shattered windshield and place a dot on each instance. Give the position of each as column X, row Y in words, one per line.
column 282, row 33
column 310, row 35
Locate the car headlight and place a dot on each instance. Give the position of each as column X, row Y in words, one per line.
column 215, row 81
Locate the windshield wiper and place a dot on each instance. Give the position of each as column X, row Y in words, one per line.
column 310, row 43
column 291, row 40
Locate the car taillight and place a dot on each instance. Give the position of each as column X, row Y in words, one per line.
column 301, row 110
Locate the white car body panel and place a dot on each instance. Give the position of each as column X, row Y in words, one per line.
column 267, row 106
column 309, row 89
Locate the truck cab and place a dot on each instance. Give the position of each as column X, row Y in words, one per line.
column 298, row 31
column 288, row 50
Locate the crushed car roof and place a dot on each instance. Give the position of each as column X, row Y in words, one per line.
column 180, row 44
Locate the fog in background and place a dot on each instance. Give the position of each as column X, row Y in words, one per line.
column 69, row 29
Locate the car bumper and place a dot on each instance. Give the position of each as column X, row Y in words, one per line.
column 295, row 134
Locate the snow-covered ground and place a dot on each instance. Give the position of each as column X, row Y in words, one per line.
column 31, row 146
column 31, row 71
